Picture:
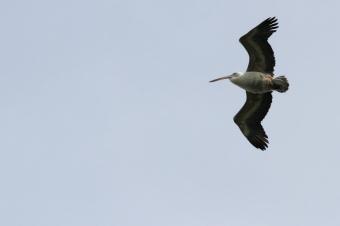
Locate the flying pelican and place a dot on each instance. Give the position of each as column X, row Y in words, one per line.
column 258, row 81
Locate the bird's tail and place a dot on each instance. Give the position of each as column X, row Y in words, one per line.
column 280, row 84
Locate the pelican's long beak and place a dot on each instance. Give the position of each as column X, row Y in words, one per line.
column 224, row 77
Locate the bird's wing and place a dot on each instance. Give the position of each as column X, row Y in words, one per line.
column 261, row 55
column 250, row 116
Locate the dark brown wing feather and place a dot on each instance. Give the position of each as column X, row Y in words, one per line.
column 261, row 55
column 250, row 116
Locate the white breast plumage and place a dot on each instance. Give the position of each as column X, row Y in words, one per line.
column 254, row 82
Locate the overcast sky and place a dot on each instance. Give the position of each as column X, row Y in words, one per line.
column 107, row 117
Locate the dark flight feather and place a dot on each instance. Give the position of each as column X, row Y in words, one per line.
column 250, row 116
column 261, row 55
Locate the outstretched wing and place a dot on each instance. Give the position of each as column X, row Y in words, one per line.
column 250, row 116
column 261, row 55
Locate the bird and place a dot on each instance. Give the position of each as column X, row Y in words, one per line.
column 258, row 81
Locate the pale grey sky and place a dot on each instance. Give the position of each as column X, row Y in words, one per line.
column 107, row 117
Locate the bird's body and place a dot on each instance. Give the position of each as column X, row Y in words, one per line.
column 258, row 82
column 254, row 82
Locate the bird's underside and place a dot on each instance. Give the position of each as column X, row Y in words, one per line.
column 258, row 82
column 254, row 82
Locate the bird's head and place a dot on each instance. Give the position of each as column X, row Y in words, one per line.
column 233, row 75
